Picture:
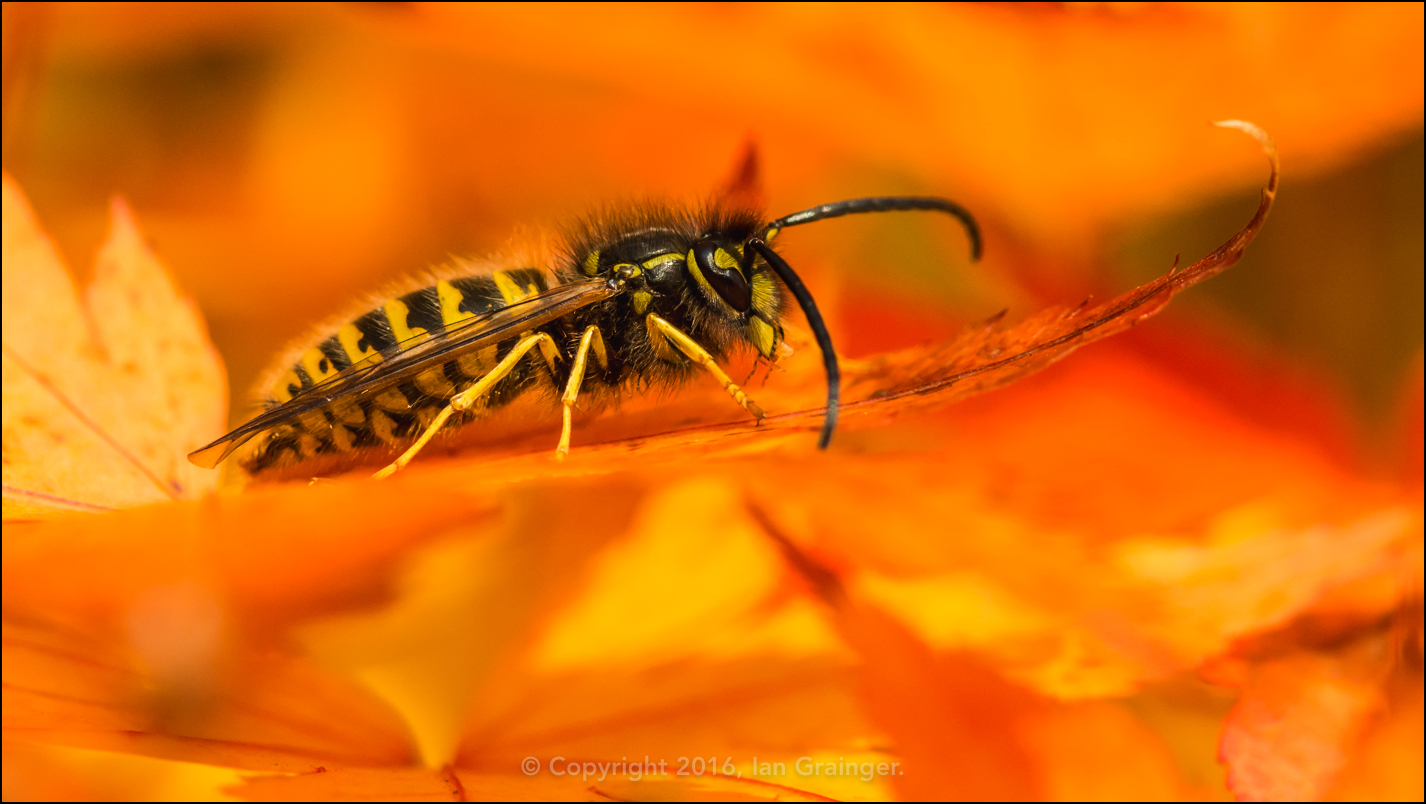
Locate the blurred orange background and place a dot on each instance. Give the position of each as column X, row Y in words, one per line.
column 1137, row 541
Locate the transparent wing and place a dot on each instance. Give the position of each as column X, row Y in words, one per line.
column 406, row 360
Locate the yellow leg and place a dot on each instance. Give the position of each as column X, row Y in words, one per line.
column 576, row 376
column 551, row 353
column 466, row 399
column 700, row 356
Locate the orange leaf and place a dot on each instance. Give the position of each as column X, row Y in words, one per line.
column 102, row 395
column 153, row 630
column 1297, row 721
column 81, row 687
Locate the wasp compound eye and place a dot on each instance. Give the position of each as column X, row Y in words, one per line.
column 717, row 269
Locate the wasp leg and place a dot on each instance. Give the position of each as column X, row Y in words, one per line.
column 700, row 356
column 466, row 399
column 576, row 377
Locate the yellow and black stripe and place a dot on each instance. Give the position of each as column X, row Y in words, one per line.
column 400, row 412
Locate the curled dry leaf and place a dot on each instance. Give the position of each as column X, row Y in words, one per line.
column 989, row 356
column 103, row 392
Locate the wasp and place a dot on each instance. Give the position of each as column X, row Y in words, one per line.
column 644, row 297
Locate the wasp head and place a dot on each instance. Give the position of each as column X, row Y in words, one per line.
column 738, row 285
column 692, row 267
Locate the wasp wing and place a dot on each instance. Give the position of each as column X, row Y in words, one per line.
column 407, row 359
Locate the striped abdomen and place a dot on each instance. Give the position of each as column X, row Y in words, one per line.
column 401, row 412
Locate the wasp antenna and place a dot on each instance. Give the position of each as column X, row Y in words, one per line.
column 894, row 203
column 819, row 330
